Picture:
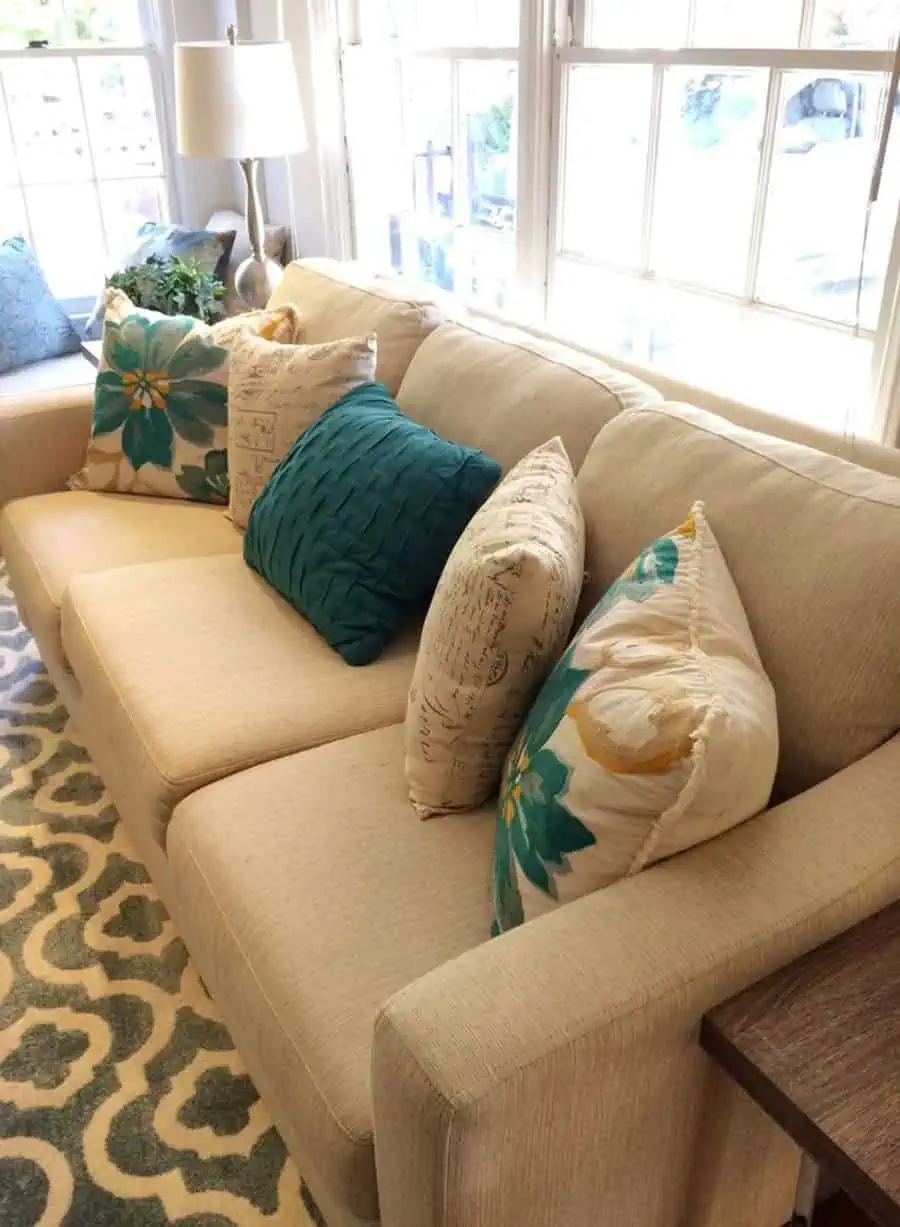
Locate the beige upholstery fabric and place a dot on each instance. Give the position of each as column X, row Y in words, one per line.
column 197, row 669
column 49, row 539
column 500, row 390
column 556, row 1070
column 339, row 300
column 43, row 438
column 309, row 894
column 275, row 393
column 813, row 544
column 283, row 324
column 498, row 622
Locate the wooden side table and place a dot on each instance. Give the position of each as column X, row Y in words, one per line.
column 817, row 1046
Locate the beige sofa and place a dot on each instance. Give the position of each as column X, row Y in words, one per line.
column 422, row 1075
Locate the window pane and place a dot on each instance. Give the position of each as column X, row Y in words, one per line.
column 47, row 121
column 487, row 103
column 639, row 23
column 13, row 219
column 113, row 21
column 607, row 131
column 737, row 23
column 22, row 21
column 63, row 22
column 815, row 217
column 126, row 206
column 462, row 23
column 706, row 177
column 429, row 128
column 118, row 97
column 380, row 175
column 7, row 156
column 69, row 239
column 798, row 369
column 856, row 23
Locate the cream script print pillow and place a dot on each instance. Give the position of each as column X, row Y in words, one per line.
column 499, row 618
column 275, row 392
column 656, row 731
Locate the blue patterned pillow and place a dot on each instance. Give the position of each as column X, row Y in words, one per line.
column 210, row 249
column 33, row 326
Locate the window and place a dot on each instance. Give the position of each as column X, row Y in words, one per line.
column 698, row 179
column 82, row 163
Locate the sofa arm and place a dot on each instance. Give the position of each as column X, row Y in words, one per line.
column 43, row 440
column 552, row 1077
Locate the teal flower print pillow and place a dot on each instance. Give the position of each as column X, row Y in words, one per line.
column 160, row 423
column 656, row 731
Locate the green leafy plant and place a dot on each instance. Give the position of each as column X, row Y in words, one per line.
column 172, row 286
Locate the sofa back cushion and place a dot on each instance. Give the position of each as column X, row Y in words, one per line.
column 813, row 544
column 337, row 300
column 506, row 392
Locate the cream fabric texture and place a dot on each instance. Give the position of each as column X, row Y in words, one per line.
column 50, row 539
column 283, row 324
column 275, row 392
column 296, row 941
column 495, row 388
column 655, row 732
column 178, row 727
column 342, row 300
column 498, row 621
column 813, row 543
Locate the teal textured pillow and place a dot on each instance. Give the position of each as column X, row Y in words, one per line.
column 356, row 523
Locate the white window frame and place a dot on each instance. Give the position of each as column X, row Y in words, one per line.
column 150, row 51
column 553, row 40
column 777, row 62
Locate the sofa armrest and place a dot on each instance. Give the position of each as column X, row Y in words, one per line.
column 553, row 1076
column 43, row 440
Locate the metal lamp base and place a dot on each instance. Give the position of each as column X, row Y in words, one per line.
column 256, row 280
column 258, row 275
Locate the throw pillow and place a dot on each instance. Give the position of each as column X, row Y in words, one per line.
column 160, row 408
column 160, row 405
column 500, row 617
column 656, row 731
column 356, row 524
column 33, row 326
column 209, row 249
column 274, row 393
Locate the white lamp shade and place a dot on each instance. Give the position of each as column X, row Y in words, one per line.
column 238, row 101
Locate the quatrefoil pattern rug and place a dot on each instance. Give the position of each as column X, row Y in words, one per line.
column 122, row 1098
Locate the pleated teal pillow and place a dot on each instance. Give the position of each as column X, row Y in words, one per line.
column 356, row 523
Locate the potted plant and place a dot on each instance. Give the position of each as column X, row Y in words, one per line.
column 173, row 287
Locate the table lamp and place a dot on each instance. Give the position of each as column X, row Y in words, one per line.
column 241, row 100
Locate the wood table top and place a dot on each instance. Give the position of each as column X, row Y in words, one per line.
column 817, row 1046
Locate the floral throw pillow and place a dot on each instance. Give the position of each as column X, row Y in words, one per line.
column 160, row 423
column 656, row 731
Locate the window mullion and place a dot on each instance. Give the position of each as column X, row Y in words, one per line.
column 559, row 115
column 807, row 20
column 691, row 31
column 656, row 101
column 577, row 19
column 767, row 153
column 89, row 145
column 534, row 153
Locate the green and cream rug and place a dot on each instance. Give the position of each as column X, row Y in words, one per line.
column 122, row 1099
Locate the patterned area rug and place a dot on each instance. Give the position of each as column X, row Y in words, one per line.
column 122, row 1099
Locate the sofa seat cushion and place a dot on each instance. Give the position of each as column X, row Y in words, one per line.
column 310, row 893
column 49, row 539
column 196, row 669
